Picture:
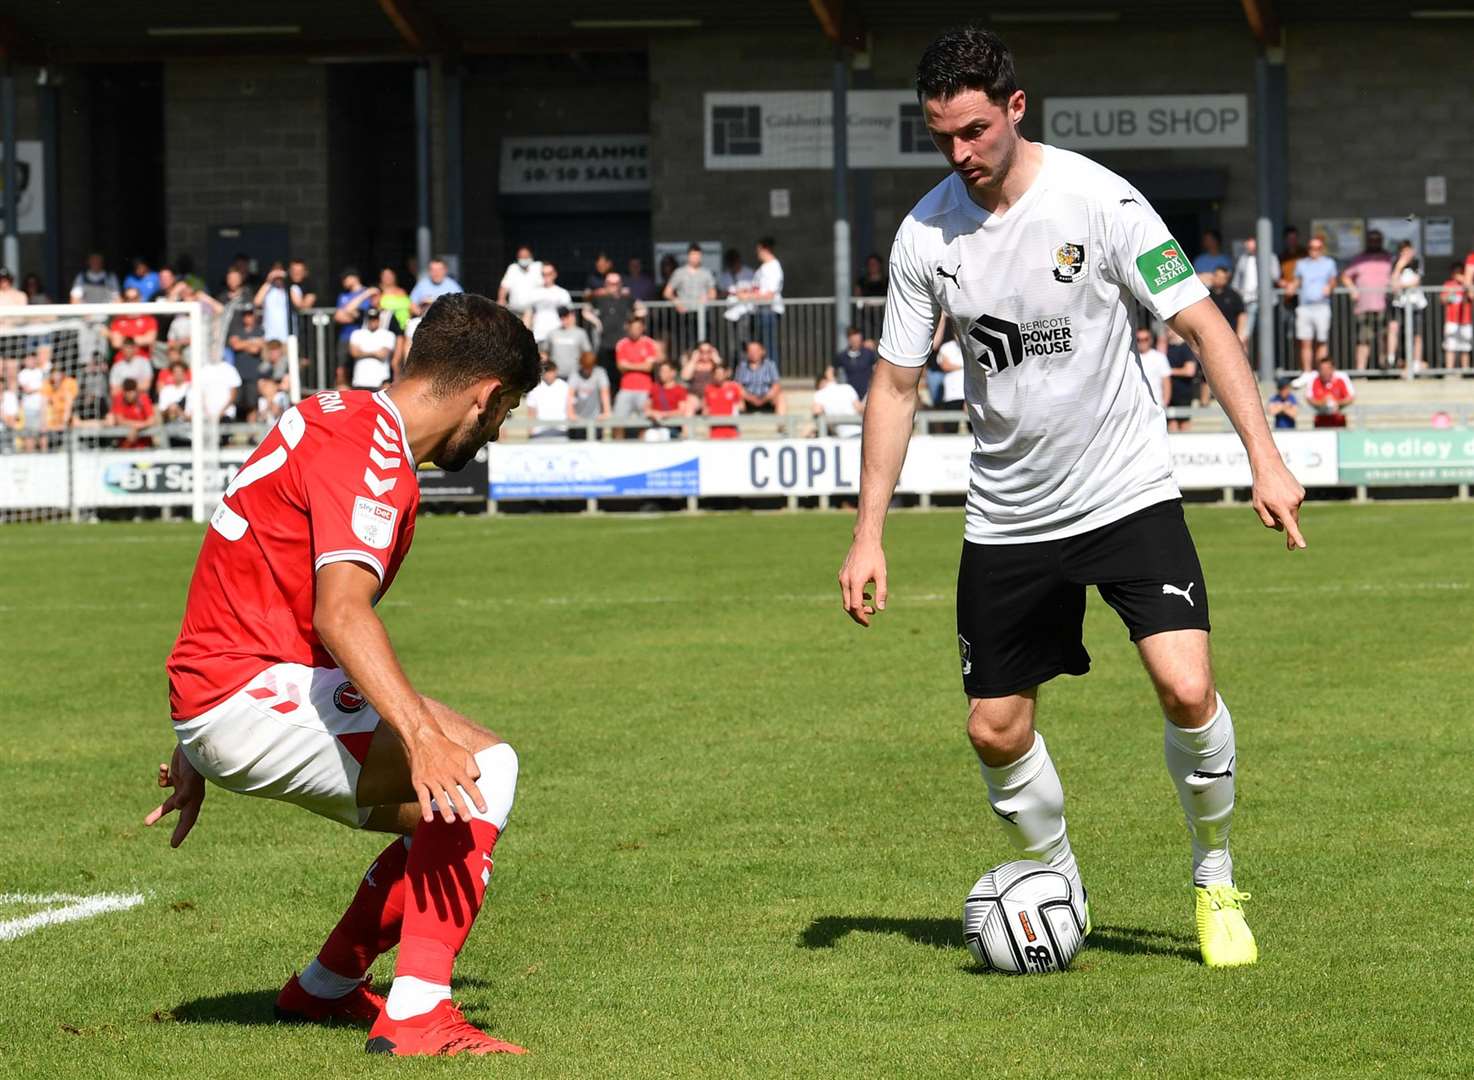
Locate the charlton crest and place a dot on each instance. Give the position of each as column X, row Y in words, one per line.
column 1069, row 262
column 348, row 699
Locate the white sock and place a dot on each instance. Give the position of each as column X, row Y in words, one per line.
column 410, row 996
column 325, row 983
column 498, row 783
column 1201, row 762
column 1030, row 805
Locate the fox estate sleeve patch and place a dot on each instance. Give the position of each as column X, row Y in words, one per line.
column 1163, row 266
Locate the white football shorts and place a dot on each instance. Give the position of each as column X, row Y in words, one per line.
column 294, row 733
column 1313, row 322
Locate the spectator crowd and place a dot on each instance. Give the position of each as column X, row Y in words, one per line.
column 647, row 354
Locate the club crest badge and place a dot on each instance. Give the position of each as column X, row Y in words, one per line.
column 964, row 648
column 348, row 699
column 1069, row 262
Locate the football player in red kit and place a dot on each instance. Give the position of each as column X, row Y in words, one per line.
column 283, row 683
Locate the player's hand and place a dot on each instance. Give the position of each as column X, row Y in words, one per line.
column 189, row 794
column 864, row 565
column 440, row 770
column 1277, row 499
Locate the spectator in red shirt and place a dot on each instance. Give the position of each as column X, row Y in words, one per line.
column 1329, row 392
column 134, row 411
column 668, row 399
column 722, row 398
column 635, row 356
column 1458, row 334
column 143, row 329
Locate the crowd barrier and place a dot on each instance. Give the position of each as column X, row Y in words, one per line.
column 86, row 475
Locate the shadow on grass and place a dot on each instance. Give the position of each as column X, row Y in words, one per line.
column 1139, row 941
column 825, row 932
column 256, row 1007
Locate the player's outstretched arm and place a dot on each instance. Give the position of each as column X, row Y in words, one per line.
column 344, row 619
column 1277, row 494
column 890, row 409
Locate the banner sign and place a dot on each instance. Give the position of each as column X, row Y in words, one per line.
column 468, row 485
column 1212, row 460
column 935, row 465
column 1407, row 457
column 793, row 129
column 1147, row 123
column 575, row 164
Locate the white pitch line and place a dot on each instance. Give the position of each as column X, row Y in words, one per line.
column 74, row 908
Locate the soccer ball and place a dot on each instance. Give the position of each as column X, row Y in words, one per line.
column 1023, row 917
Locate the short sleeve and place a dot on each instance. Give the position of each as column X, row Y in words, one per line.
column 352, row 522
column 1148, row 261
column 911, row 308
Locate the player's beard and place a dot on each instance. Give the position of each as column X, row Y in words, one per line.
column 470, row 437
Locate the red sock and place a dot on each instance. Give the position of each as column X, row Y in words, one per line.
column 370, row 927
column 449, row 867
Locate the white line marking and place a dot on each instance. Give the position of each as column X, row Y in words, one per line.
column 72, row 909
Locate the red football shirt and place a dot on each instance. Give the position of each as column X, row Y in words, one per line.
column 722, row 401
column 629, row 350
column 1455, row 303
column 667, row 398
column 134, row 326
column 331, row 482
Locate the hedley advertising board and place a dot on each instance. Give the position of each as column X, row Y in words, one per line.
column 1430, row 456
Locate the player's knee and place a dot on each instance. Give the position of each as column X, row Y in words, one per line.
column 999, row 733
column 1188, row 699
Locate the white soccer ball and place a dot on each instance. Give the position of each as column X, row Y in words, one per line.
column 1023, row 917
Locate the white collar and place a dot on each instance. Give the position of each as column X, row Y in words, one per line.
column 388, row 403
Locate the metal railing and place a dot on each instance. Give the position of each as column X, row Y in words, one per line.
column 1376, row 343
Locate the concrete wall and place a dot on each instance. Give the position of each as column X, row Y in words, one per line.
column 246, row 142
column 1052, row 61
column 1366, row 127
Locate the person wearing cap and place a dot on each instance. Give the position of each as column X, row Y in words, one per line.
column 371, row 348
column 1283, row 405
column 567, row 342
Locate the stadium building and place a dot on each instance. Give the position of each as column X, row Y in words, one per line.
column 357, row 133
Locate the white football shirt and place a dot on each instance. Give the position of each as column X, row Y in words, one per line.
column 1067, row 434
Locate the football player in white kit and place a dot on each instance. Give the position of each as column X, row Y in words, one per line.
column 1034, row 252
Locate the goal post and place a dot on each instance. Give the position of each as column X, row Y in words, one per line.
column 65, row 450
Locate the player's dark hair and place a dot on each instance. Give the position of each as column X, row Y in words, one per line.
column 966, row 58
column 464, row 338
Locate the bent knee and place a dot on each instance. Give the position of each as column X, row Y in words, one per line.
column 1188, row 700
column 999, row 733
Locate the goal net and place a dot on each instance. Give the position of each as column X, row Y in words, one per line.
column 128, row 410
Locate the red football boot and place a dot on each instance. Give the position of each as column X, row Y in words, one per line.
column 441, row 1032
column 359, row 1006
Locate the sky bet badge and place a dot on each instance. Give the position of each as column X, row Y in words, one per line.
column 1069, row 262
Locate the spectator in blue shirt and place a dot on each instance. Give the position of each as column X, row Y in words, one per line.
column 1211, row 257
column 758, row 378
column 1282, row 405
column 144, row 280
column 855, row 362
column 436, row 283
column 1315, row 277
column 355, row 299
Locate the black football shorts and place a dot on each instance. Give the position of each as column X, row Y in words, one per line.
column 1021, row 607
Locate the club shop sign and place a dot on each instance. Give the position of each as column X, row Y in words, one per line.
column 1147, row 123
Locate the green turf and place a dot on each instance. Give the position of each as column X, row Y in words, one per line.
column 744, row 827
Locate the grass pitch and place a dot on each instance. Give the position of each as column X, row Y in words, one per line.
column 745, row 827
